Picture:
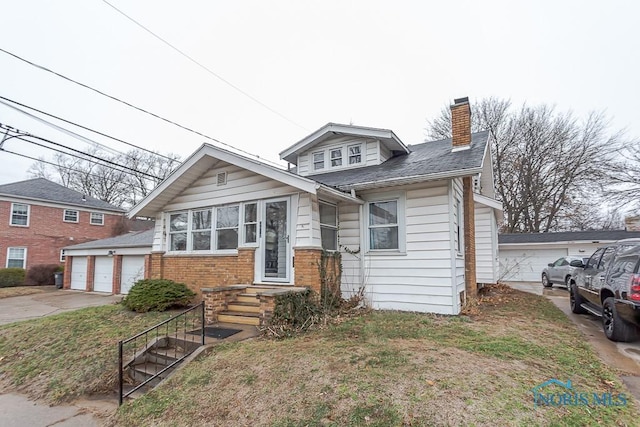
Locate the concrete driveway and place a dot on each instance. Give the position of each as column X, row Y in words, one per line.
column 51, row 301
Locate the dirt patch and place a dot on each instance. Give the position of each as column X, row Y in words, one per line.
column 19, row 291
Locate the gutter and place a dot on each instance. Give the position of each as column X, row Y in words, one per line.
column 413, row 179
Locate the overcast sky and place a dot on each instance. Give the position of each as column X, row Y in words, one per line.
column 372, row 63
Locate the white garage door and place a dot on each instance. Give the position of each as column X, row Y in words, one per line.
column 526, row 265
column 103, row 278
column 79, row 273
column 132, row 271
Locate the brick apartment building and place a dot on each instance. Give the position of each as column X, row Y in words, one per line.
column 39, row 217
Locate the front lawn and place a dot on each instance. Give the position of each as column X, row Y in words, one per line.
column 19, row 291
column 390, row 368
column 70, row 354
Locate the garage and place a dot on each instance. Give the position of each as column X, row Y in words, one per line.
column 526, row 265
column 79, row 273
column 103, row 274
column 132, row 271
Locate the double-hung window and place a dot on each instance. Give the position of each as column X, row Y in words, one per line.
column 250, row 222
column 336, row 157
column 355, row 154
column 16, row 257
column 19, row 214
column 384, row 225
column 201, row 230
column 70, row 215
column 227, row 227
column 318, row 161
column 329, row 226
column 178, row 228
column 96, row 218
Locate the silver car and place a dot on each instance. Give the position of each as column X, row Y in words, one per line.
column 560, row 272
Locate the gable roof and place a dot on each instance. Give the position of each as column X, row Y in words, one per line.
column 41, row 189
column 596, row 236
column 205, row 158
column 388, row 138
column 138, row 239
column 427, row 161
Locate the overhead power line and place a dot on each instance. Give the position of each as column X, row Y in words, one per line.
column 80, row 126
column 207, row 69
column 142, row 110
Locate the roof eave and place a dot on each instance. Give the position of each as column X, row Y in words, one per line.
column 414, row 179
column 56, row 202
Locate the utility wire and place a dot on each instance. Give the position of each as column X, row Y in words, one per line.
column 82, row 127
column 142, row 110
column 227, row 82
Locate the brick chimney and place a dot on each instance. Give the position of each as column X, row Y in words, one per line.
column 461, row 124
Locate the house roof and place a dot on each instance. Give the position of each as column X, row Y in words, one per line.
column 205, row 158
column 43, row 190
column 138, row 239
column 386, row 136
column 568, row 236
column 427, row 161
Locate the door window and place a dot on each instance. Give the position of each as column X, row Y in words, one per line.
column 595, row 258
column 606, row 258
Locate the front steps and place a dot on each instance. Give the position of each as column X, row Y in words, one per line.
column 244, row 309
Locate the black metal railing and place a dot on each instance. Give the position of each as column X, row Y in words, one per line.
column 160, row 348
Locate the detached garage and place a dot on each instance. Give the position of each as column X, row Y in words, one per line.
column 110, row 265
column 523, row 256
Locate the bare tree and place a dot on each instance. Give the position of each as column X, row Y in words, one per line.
column 119, row 179
column 546, row 164
column 624, row 183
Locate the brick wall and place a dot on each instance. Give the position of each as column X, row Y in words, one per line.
column 47, row 233
column 199, row 272
column 307, row 268
column 461, row 122
column 471, row 282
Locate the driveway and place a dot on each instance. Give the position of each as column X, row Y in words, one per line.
column 51, row 301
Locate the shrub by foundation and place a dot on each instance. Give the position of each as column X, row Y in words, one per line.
column 41, row 274
column 157, row 295
column 11, row 277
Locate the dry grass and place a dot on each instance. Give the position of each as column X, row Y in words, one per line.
column 18, row 291
column 390, row 368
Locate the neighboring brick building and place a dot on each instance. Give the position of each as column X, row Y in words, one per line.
column 39, row 217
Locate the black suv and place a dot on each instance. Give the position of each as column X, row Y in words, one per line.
column 609, row 286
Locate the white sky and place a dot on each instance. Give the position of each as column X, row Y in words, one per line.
column 373, row 63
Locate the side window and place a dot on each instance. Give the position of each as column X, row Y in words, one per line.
column 606, row 258
column 595, row 258
column 559, row 262
column 564, row 261
column 623, row 267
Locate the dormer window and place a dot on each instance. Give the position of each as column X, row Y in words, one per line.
column 318, row 161
column 336, row 157
column 355, row 154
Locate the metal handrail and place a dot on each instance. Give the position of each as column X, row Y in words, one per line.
column 145, row 334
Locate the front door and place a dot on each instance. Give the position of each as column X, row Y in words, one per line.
column 275, row 242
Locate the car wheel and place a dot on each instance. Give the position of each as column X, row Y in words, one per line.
column 575, row 300
column 545, row 281
column 614, row 327
column 567, row 281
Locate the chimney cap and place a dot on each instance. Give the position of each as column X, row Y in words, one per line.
column 458, row 101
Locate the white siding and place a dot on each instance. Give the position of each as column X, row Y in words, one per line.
column 373, row 152
column 457, row 256
column 486, row 245
column 421, row 278
column 349, row 237
column 308, row 222
column 242, row 185
column 158, row 234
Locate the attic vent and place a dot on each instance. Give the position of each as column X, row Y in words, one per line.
column 222, row 178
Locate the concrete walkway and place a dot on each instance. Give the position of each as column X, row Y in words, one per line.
column 51, row 301
column 18, row 411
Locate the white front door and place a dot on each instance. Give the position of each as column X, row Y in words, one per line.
column 275, row 243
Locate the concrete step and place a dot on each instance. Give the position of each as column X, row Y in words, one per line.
column 165, row 355
column 243, row 318
column 247, row 298
column 248, row 307
column 254, row 289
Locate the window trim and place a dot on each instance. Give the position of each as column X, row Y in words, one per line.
column 28, row 215
column 193, row 230
column 314, row 161
column 336, row 158
column 91, row 218
column 243, row 237
column 64, row 215
column 400, row 198
column 24, row 254
column 458, row 237
column 329, row 226
column 349, row 155
column 63, row 256
column 216, row 228
column 328, row 159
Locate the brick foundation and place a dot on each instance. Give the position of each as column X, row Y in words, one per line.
column 308, row 268
column 216, row 300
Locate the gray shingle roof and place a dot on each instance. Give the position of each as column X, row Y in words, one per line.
column 433, row 158
column 44, row 190
column 137, row 239
column 568, row 236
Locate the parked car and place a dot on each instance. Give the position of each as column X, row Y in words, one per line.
column 608, row 285
column 560, row 271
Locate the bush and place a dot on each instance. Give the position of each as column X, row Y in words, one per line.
column 11, row 277
column 41, row 274
column 157, row 295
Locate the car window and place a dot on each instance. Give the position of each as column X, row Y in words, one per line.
column 623, row 267
column 564, row 261
column 558, row 262
column 606, row 258
column 595, row 258
column 585, row 261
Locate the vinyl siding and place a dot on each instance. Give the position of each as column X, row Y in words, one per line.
column 419, row 279
column 486, row 245
column 308, row 222
column 349, row 237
